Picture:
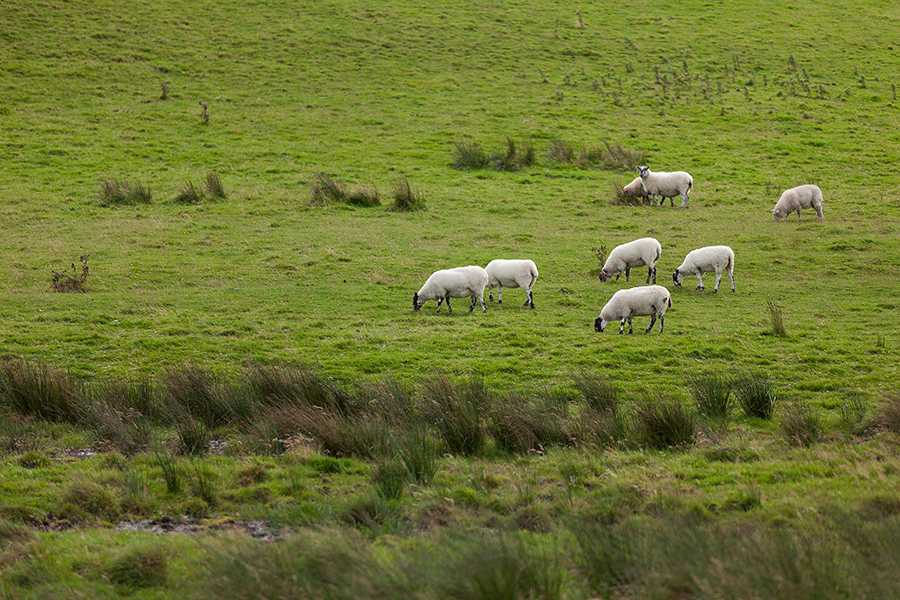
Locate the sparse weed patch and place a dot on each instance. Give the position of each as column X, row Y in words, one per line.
column 62, row 282
column 801, row 426
column 327, row 190
column 406, row 199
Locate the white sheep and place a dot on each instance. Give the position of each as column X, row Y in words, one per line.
column 461, row 282
column 645, row 251
column 511, row 274
column 652, row 300
column 707, row 260
column 664, row 185
column 802, row 196
column 635, row 189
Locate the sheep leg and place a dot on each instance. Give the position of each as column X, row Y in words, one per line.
column 449, row 310
column 622, row 328
column 627, row 273
column 731, row 275
column 685, row 201
column 718, row 280
column 630, row 330
column 472, row 305
column 500, row 295
column 529, row 300
column 660, row 323
column 652, row 271
column 491, row 294
column 652, row 322
column 439, row 304
column 672, row 202
column 700, row 277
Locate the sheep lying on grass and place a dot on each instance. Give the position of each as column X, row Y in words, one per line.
column 511, row 274
column 642, row 301
column 802, row 196
column 707, row 260
column 664, row 185
column 461, row 282
column 639, row 253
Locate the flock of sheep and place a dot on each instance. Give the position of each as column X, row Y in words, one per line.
column 648, row 300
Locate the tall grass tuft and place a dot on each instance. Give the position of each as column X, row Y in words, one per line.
column 456, row 413
column 713, row 395
column 777, row 319
column 123, row 193
column 140, row 568
column 561, row 151
column 623, row 198
column 520, row 424
column 597, row 391
column 887, row 415
column 171, row 471
column 469, row 155
column 419, row 452
column 512, row 160
column 327, row 190
column 390, row 479
column 35, row 389
column 194, row 391
column 215, row 189
column 499, row 565
column 188, row 194
column 664, row 423
column 609, row 559
column 756, row 396
column 801, row 426
column 405, row 198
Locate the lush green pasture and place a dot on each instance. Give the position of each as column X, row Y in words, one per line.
column 750, row 97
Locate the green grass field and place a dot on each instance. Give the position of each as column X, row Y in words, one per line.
column 751, row 98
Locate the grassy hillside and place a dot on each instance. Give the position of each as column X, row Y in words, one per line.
column 750, row 97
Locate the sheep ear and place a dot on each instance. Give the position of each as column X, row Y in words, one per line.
column 772, row 211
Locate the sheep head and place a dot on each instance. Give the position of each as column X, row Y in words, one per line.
column 416, row 305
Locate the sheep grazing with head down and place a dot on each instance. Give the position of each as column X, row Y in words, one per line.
column 635, row 189
column 511, row 274
column 639, row 253
column 707, row 260
column 648, row 300
column 662, row 185
column 461, row 282
column 802, row 196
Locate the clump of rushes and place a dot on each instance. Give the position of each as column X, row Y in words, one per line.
column 777, row 319
column 756, row 396
column 456, row 413
column 513, row 160
column 123, row 193
column 470, row 155
column 327, row 190
column 801, row 426
column 713, row 395
column 561, row 151
column 665, row 423
column 406, row 199
column 214, row 187
column 599, row 393
column 188, row 194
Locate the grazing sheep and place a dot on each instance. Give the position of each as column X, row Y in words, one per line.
column 707, row 260
column 461, row 282
column 511, row 273
column 664, row 185
column 645, row 251
column 635, row 189
column 642, row 301
column 802, row 196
